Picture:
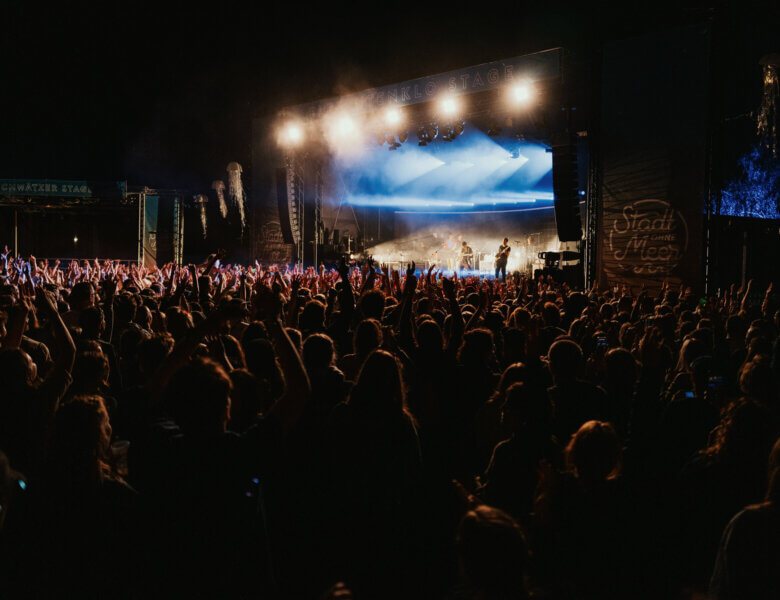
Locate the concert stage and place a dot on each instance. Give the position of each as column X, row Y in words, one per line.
column 408, row 172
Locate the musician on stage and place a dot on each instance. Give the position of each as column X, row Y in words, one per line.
column 501, row 259
column 465, row 256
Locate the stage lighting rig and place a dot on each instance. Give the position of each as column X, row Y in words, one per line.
column 427, row 133
column 452, row 130
column 392, row 143
column 389, row 126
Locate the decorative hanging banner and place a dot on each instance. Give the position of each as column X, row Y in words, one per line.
column 653, row 142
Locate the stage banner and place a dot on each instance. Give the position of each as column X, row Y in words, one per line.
column 653, row 146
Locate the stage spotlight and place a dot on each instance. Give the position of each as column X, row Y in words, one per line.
column 291, row 134
column 448, row 106
column 294, row 133
column 345, row 126
column 521, row 93
column 393, row 116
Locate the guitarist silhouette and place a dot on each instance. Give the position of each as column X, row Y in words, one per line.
column 501, row 258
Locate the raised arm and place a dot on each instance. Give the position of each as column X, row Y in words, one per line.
column 290, row 406
column 456, row 335
column 17, row 318
column 405, row 325
column 66, row 349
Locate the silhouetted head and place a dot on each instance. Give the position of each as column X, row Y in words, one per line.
column 380, row 390
column 593, row 454
column 199, row 395
column 372, row 305
column 17, row 371
column 82, row 296
column 179, row 322
column 92, row 322
column 525, row 408
column 318, row 352
column 90, row 372
column 313, row 316
column 757, row 380
column 551, row 315
column 477, row 348
column 81, row 439
column 261, row 362
column 744, row 436
column 492, row 553
column 565, row 360
column 368, row 337
column 152, row 352
column 429, row 338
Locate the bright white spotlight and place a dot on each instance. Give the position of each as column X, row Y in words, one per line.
column 448, row 106
column 345, row 126
column 393, row 116
column 521, row 93
column 293, row 134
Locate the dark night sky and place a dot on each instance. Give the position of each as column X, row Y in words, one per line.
column 162, row 93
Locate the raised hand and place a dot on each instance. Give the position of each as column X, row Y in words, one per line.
column 109, row 289
column 267, row 301
column 46, row 302
column 449, row 287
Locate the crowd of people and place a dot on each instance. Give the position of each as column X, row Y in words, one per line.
column 225, row 431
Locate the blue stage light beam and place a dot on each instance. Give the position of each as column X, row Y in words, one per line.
column 474, row 172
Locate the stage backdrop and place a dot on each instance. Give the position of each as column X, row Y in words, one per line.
column 653, row 144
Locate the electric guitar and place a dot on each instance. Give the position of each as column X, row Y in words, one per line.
column 503, row 253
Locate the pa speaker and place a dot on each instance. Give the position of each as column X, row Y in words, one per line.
column 566, row 193
column 283, row 205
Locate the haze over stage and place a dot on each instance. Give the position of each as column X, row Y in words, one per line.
column 477, row 172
